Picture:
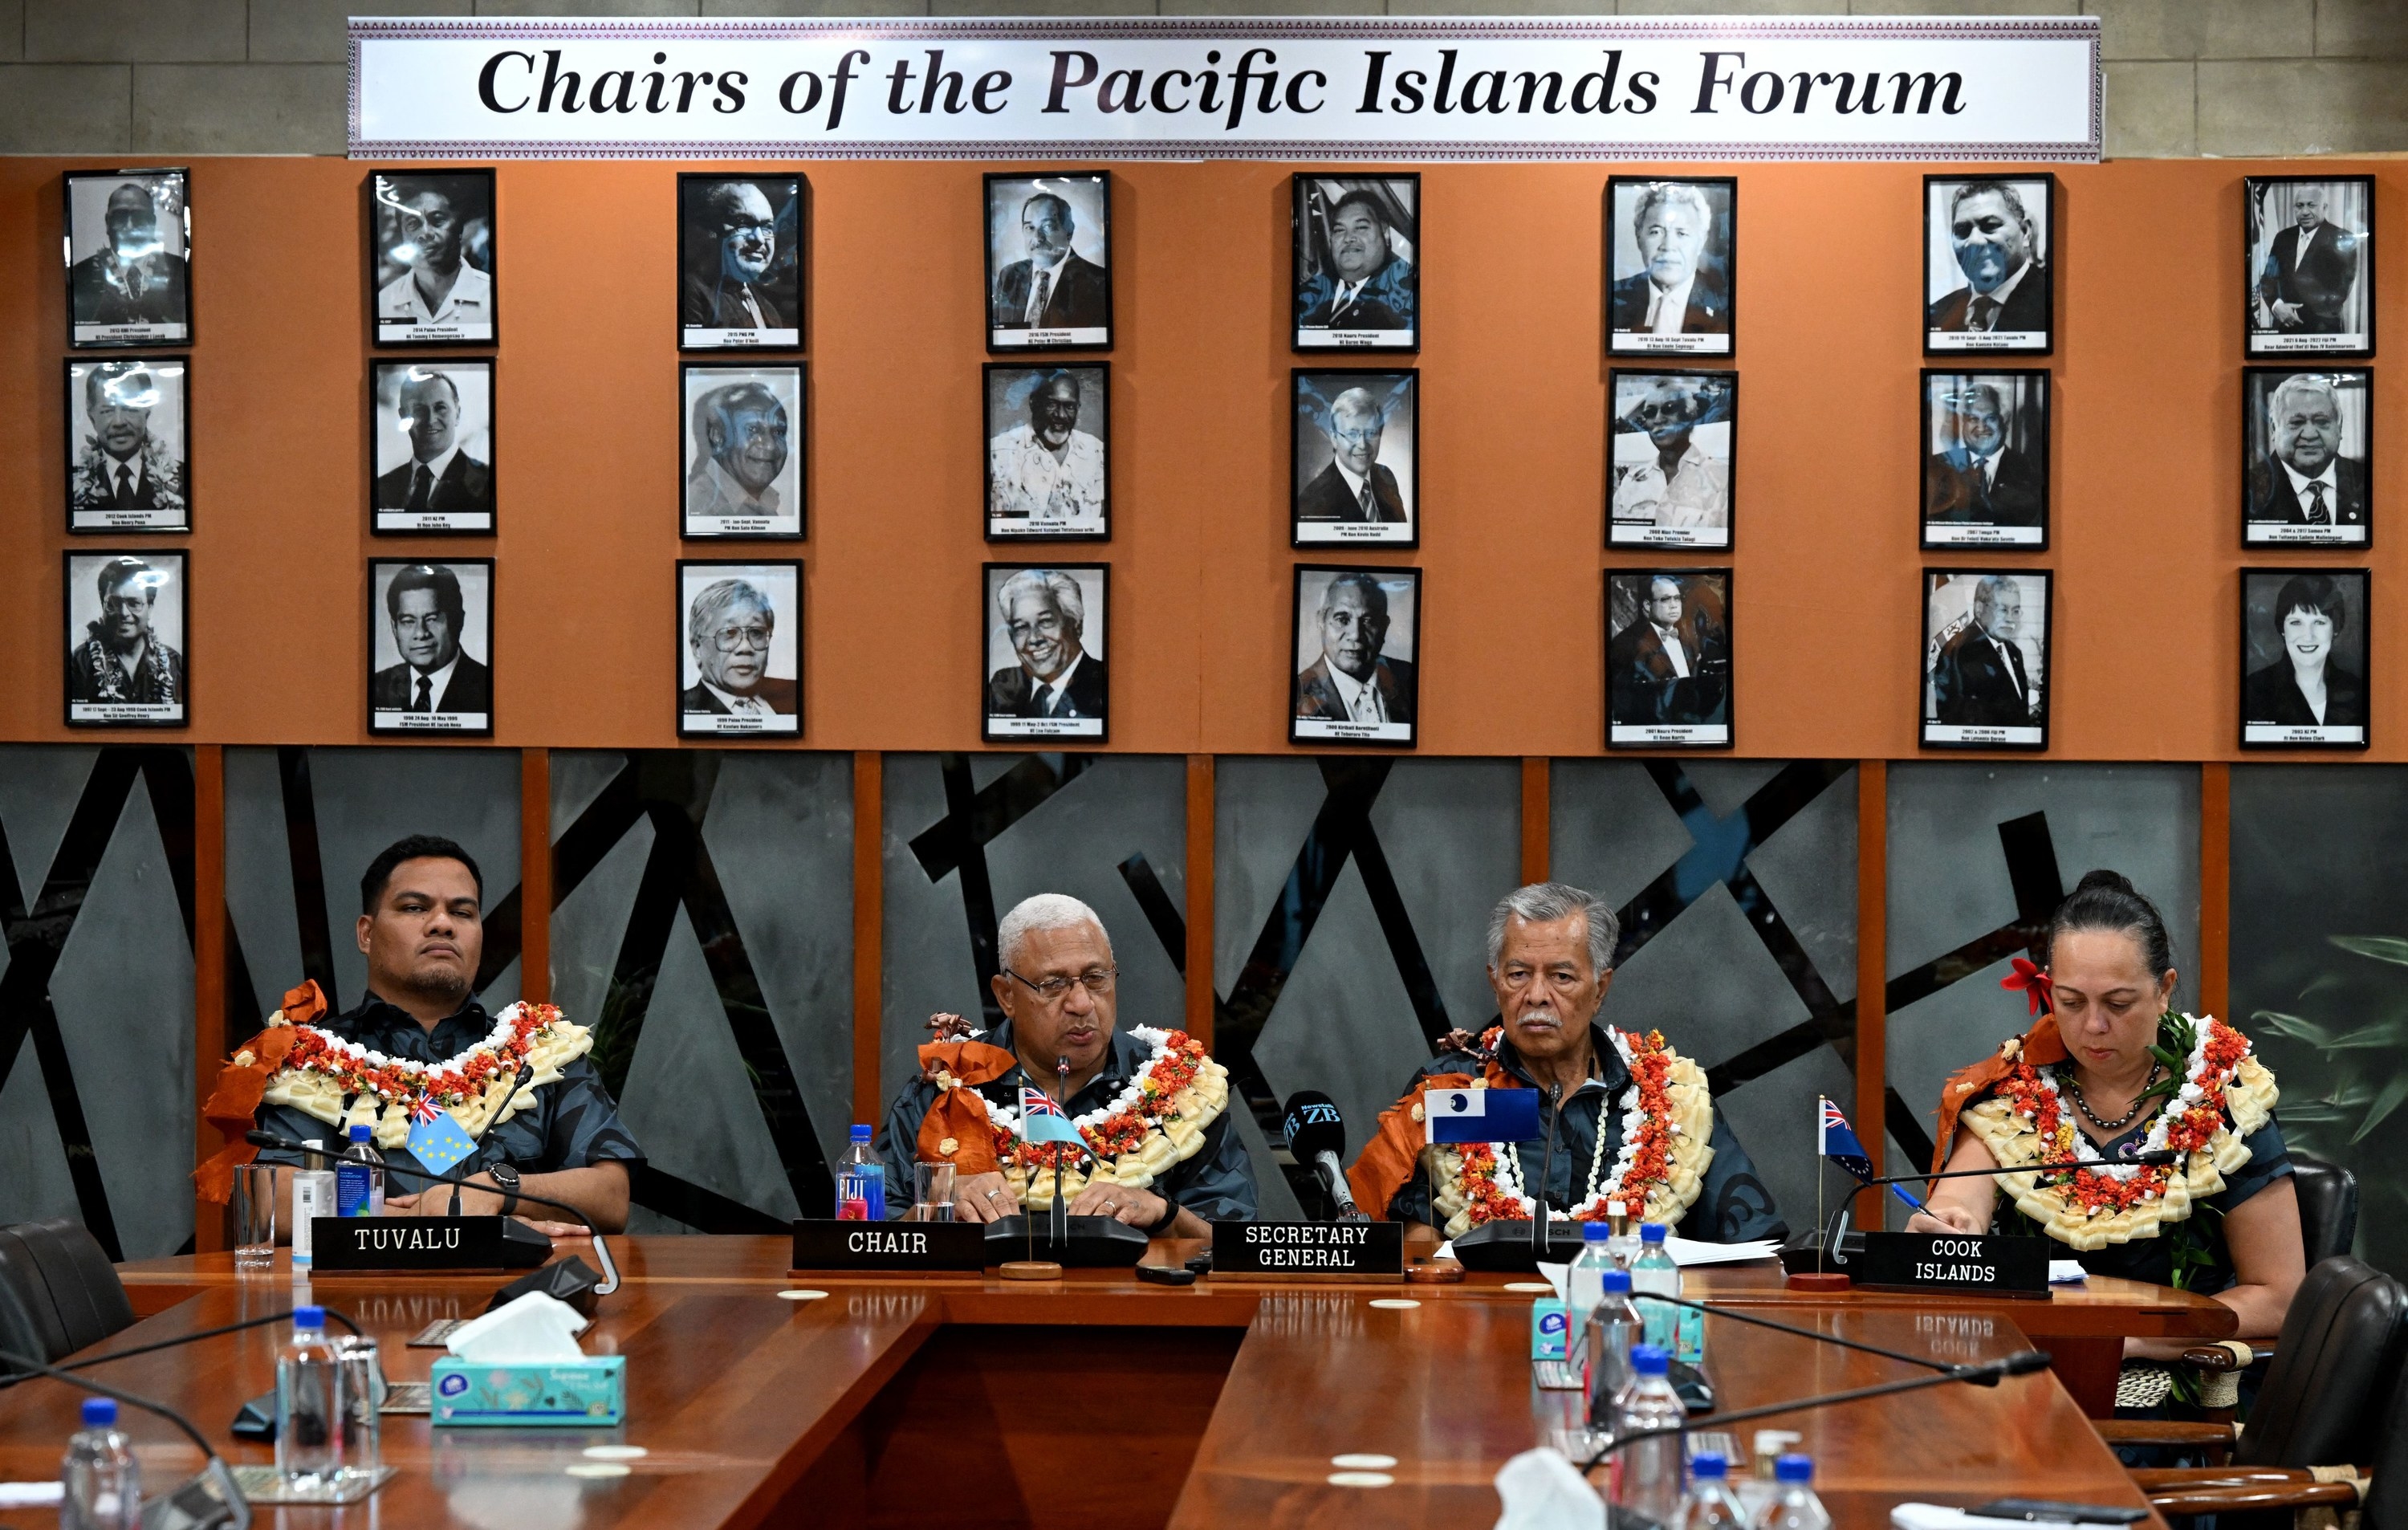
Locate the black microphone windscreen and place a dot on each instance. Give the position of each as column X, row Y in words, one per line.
column 2025, row 1362
column 263, row 1139
column 1313, row 1125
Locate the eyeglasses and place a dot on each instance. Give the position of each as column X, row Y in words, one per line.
column 731, row 639
column 1098, row 981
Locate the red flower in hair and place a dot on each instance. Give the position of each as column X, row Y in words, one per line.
column 2039, row 993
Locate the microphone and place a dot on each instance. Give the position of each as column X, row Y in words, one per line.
column 195, row 1337
column 210, row 1499
column 1539, row 1240
column 601, row 1250
column 1317, row 1136
column 1058, row 1222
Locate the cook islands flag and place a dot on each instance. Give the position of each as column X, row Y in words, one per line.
column 1481, row 1115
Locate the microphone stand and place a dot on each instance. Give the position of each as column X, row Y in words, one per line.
column 214, row 1473
column 601, row 1250
column 1057, row 1222
column 1838, row 1229
column 1539, row 1240
column 196, row 1336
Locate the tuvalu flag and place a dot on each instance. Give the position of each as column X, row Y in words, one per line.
column 1041, row 1119
column 1481, row 1115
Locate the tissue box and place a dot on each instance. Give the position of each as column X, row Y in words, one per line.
column 1547, row 1328
column 583, row 1392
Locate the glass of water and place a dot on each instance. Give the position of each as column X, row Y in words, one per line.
column 254, row 1216
column 932, row 1193
column 359, row 1385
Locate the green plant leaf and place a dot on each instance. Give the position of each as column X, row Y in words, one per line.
column 2168, row 1056
column 2292, row 1027
column 2382, row 948
column 2385, row 1034
column 2385, row 1103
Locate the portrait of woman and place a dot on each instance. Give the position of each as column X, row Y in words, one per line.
column 2312, row 690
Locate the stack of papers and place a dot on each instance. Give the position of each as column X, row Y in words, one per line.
column 1937, row 1517
column 1684, row 1252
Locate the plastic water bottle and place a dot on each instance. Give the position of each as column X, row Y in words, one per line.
column 1794, row 1506
column 1654, row 1274
column 103, row 1485
column 1583, row 1284
column 1712, row 1505
column 1613, row 1329
column 313, row 1196
column 1647, row 1475
column 860, row 1181
column 1623, row 1245
column 359, row 1177
column 308, row 1405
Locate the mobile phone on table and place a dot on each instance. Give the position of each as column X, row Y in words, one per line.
column 2047, row 1509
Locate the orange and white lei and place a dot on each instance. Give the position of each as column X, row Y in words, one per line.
column 2024, row 1121
column 1667, row 1128
column 343, row 1083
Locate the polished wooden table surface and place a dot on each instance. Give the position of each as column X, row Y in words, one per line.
column 1096, row 1399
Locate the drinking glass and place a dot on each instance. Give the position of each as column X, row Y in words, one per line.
column 360, row 1390
column 932, row 1193
column 254, row 1216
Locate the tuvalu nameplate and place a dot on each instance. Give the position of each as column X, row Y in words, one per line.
column 2004, row 1266
column 824, row 1244
column 1309, row 1250
column 405, row 1243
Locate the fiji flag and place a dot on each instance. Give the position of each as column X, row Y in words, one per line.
column 1838, row 1141
column 1482, row 1115
column 1043, row 1121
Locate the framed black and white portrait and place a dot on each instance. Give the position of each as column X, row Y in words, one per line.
column 433, row 466
column 1674, row 247
column 431, row 646
column 431, row 257
column 740, row 262
column 2309, row 245
column 129, row 250
column 1355, row 458
column 1357, row 639
column 1667, row 658
column 740, row 449
column 1358, row 275
column 1044, row 674
column 1048, row 446
column 1986, row 245
column 129, row 444
column 1049, row 272
column 740, row 651
column 1669, row 474
column 1985, row 654
column 2307, row 456
column 1984, row 455
column 127, row 616
column 2305, row 680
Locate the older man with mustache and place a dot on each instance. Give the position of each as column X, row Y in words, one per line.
column 1633, row 1122
column 742, row 431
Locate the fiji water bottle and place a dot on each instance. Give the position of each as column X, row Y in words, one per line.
column 102, row 1486
column 1654, row 1274
column 309, row 1404
column 1647, row 1475
column 359, row 1177
column 1794, row 1506
column 1710, row 1505
column 860, row 1181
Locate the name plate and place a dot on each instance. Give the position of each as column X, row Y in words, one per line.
column 934, row 1246
column 405, row 1243
column 2003, row 1266
column 1310, row 1250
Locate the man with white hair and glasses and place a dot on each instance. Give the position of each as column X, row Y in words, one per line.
column 1157, row 1149
column 1634, row 1125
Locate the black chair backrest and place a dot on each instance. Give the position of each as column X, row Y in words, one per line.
column 28, row 1324
column 2333, row 1368
column 2386, row 1502
column 73, row 1279
column 2327, row 1206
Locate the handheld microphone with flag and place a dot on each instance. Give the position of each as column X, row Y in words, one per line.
column 1316, row 1136
column 205, row 1502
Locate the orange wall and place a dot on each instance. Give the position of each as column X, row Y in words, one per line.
column 2147, row 538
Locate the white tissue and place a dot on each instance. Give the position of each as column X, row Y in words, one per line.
column 1543, row 1490
column 31, row 1494
column 533, row 1330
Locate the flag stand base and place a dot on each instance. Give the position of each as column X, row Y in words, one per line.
column 1817, row 1280
column 1030, row 1269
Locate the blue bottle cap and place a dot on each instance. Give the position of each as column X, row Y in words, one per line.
column 1709, row 1466
column 1793, row 1467
column 359, row 1131
column 1596, row 1232
column 1651, row 1359
column 99, row 1411
column 861, row 1133
column 1652, row 1232
column 309, row 1316
column 1617, row 1279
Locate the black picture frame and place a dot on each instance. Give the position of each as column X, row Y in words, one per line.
column 404, row 332
column 130, row 334
column 461, row 516
column 489, row 664
column 991, row 300
column 730, row 727
column 1304, row 692
column 1941, row 305
column 793, row 255
column 2258, row 343
column 1942, row 488
column 1306, row 187
column 2260, row 682
column 1633, row 534
column 1637, row 732
column 1325, row 489
column 1001, row 686
column 2269, row 500
column 1622, row 292
column 706, row 524
column 90, row 519
column 1977, row 735
column 1045, row 528
column 84, row 567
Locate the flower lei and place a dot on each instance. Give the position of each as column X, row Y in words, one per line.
column 1120, row 1128
column 322, row 1070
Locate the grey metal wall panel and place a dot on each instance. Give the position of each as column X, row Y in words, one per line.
column 259, row 876
column 39, row 787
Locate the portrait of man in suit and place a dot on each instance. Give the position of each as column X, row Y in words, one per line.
column 731, row 627
column 1680, row 285
column 428, row 617
column 2303, row 474
column 1355, row 487
column 1671, row 666
column 435, row 292
column 1352, row 680
column 1976, row 475
column 1051, row 288
column 121, row 473
column 1979, row 678
column 138, row 275
column 441, row 480
column 1999, row 248
column 1057, row 681
column 2310, row 268
column 739, row 260
column 1352, row 273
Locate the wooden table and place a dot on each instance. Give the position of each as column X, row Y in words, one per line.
column 1094, row 1400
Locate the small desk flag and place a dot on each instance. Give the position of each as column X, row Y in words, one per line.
column 1481, row 1115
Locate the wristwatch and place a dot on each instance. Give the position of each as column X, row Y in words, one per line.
column 506, row 1175
column 1169, row 1216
